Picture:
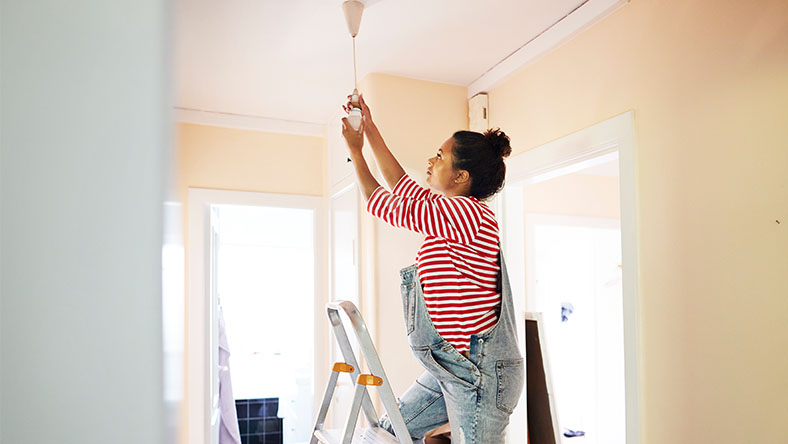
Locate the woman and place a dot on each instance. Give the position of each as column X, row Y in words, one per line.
column 456, row 298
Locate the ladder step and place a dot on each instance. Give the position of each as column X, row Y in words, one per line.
column 373, row 435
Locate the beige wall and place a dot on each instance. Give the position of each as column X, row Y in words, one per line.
column 243, row 160
column 574, row 195
column 415, row 116
column 708, row 81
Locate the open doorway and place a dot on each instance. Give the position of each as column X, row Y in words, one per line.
column 256, row 272
column 265, row 286
column 568, row 222
column 573, row 278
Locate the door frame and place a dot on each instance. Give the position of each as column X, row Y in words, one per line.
column 591, row 145
column 197, row 336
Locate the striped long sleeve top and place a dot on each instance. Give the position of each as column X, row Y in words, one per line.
column 458, row 262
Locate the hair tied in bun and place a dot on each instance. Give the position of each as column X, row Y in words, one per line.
column 499, row 141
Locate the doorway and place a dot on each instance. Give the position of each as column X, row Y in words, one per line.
column 573, row 278
column 256, row 263
column 568, row 223
column 265, row 286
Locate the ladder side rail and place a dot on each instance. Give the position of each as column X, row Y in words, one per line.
column 321, row 416
column 350, row 358
column 350, row 426
column 375, row 366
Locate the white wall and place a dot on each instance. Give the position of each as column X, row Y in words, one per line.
column 84, row 151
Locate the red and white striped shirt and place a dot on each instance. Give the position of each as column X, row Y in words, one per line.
column 458, row 262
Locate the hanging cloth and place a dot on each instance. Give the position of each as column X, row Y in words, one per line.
column 229, row 433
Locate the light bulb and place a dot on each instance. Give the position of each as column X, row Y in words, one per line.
column 354, row 117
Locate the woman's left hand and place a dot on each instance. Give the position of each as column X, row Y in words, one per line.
column 353, row 138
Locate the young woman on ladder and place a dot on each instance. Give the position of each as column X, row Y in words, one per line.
column 457, row 300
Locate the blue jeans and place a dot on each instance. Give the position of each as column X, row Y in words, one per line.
column 475, row 394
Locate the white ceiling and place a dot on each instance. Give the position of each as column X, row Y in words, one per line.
column 291, row 61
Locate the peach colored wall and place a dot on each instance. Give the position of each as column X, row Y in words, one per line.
column 243, row 160
column 708, row 83
column 415, row 116
column 574, row 195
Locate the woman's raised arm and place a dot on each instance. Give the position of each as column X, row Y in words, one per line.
column 387, row 163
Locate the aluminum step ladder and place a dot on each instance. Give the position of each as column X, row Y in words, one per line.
column 361, row 400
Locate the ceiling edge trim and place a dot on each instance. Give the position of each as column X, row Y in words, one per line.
column 247, row 122
column 584, row 17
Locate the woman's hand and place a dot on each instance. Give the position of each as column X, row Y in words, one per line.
column 387, row 163
column 365, row 111
column 353, row 138
column 355, row 142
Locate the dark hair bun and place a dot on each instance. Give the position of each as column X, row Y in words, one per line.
column 499, row 141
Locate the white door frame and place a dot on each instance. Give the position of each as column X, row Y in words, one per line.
column 200, row 200
column 559, row 157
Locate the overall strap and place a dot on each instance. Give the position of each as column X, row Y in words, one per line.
column 507, row 304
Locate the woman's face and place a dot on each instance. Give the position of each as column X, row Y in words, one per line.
column 441, row 175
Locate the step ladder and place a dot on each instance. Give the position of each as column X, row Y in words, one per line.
column 361, row 400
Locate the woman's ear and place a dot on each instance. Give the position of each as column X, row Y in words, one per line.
column 462, row 177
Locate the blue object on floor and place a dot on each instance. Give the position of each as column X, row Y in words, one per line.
column 573, row 433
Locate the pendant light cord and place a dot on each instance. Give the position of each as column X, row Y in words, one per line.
column 355, row 78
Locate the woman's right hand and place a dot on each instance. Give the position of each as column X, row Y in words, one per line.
column 387, row 163
column 365, row 111
column 353, row 138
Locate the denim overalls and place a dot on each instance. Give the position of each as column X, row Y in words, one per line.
column 475, row 394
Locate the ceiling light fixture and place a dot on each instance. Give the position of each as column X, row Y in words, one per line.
column 353, row 10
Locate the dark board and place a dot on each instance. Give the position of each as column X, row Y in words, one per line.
column 540, row 420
